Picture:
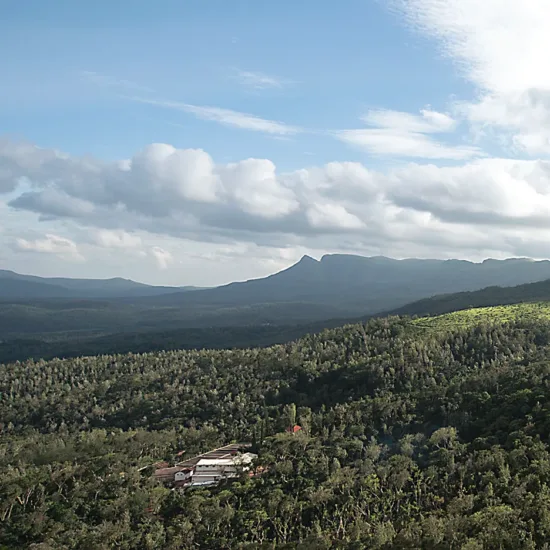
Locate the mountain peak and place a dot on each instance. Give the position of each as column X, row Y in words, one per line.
column 308, row 259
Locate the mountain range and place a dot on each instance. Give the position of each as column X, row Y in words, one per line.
column 334, row 287
column 348, row 284
column 14, row 286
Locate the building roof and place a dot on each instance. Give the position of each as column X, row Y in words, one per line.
column 294, row 429
column 215, row 461
column 226, row 451
column 246, row 458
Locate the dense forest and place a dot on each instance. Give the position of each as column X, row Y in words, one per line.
column 69, row 345
column 415, row 434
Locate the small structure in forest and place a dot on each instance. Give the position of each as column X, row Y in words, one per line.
column 212, row 470
column 209, row 468
column 293, row 429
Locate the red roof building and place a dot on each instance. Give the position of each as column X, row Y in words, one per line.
column 293, row 429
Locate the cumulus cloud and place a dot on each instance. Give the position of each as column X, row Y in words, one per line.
column 53, row 202
column 483, row 204
column 485, row 192
column 332, row 215
column 406, row 135
column 51, row 244
column 174, row 187
column 254, row 185
column 188, row 173
column 501, row 47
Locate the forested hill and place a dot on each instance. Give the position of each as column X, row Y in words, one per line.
column 21, row 349
column 427, row 433
column 490, row 296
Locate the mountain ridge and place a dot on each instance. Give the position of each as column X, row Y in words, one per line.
column 136, row 331
column 366, row 284
column 342, row 286
column 486, row 297
column 18, row 286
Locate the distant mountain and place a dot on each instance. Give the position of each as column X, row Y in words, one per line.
column 311, row 291
column 14, row 289
column 491, row 296
column 357, row 285
column 218, row 336
column 14, row 286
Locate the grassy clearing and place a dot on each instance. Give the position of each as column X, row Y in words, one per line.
column 497, row 314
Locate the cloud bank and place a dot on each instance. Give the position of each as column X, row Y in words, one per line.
column 483, row 204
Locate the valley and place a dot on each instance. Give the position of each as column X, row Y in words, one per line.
column 118, row 315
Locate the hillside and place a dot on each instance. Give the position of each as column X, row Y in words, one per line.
column 533, row 312
column 427, row 433
column 491, row 296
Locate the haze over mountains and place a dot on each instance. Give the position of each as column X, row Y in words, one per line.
column 348, row 284
column 14, row 286
column 72, row 317
column 335, row 287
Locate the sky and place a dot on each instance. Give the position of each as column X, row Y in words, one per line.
column 206, row 141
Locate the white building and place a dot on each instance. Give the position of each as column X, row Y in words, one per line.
column 212, row 470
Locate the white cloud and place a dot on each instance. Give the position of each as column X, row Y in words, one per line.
column 406, row 135
column 175, row 185
column 259, row 81
column 332, row 215
column 227, row 117
column 254, row 185
column 487, row 191
column 162, row 257
column 188, row 173
column 51, row 244
column 156, row 200
column 501, row 46
column 167, row 190
column 387, row 142
column 427, row 122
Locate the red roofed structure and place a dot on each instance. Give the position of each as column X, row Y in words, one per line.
column 293, row 429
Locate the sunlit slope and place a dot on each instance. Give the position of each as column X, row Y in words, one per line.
column 485, row 315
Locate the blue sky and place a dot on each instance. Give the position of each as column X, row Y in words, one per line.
column 373, row 127
column 331, row 62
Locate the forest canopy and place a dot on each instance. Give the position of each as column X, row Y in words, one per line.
column 415, row 434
